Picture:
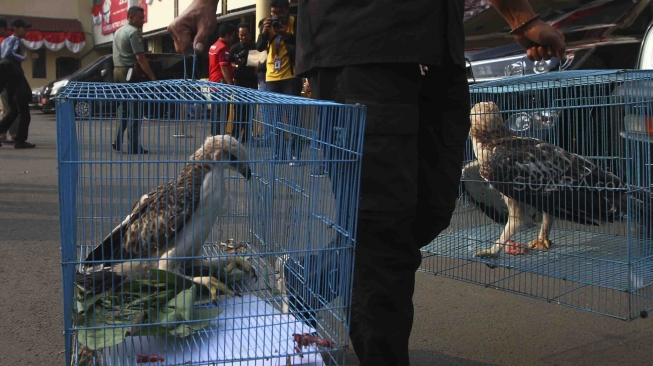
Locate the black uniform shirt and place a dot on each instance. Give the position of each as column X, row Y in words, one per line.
column 244, row 75
column 333, row 33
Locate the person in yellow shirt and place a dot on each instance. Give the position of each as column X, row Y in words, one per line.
column 278, row 38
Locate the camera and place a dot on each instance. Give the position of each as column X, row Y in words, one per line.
column 276, row 24
column 239, row 58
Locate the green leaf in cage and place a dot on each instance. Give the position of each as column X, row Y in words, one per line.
column 171, row 279
column 103, row 336
column 85, row 303
column 156, row 305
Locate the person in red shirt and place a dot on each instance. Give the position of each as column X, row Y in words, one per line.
column 220, row 68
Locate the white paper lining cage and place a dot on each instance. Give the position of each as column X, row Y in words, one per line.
column 278, row 254
column 604, row 116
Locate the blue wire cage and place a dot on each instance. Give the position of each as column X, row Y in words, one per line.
column 205, row 224
column 602, row 266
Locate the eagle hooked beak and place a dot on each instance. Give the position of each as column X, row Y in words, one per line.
column 242, row 168
column 245, row 171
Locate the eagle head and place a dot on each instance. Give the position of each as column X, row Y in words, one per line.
column 486, row 121
column 224, row 148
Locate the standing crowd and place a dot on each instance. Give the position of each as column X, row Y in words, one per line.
column 236, row 58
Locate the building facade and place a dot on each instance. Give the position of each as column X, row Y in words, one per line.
column 60, row 40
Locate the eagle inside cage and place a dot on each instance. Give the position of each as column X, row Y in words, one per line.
column 172, row 220
column 539, row 181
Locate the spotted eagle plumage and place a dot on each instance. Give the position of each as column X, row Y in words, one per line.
column 172, row 220
column 529, row 172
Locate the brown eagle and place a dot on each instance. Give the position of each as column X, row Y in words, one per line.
column 172, row 220
column 533, row 174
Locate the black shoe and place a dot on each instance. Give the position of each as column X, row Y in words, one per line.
column 24, row 145
column 115, row 146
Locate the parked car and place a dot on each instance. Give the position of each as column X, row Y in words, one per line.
column 633, row 121
column 599, row 34
column 36, row 97
column 165, row 66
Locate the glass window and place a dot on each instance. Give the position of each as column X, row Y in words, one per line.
column 39, row 65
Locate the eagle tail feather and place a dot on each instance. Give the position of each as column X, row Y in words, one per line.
column 110, row 248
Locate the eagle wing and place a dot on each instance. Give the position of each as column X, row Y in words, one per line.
column 155, row 218
column 557, row 182
column 487, row 198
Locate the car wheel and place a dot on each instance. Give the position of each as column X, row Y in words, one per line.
column 82, row 109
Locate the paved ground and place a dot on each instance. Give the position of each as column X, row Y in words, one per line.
column 455, row 323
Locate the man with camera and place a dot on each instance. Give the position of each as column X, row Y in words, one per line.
column 278, row 38
column 129, row 66
column 245, row 76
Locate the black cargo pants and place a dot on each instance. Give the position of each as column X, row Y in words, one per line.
column 415, row 135
column 130, row 117
column 19, row 94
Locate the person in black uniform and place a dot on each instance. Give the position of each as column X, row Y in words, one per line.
column 415, row 134
column 246, row 77
column 372, row 53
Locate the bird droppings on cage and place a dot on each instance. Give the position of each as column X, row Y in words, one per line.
column 168, row 258
column 559, row 146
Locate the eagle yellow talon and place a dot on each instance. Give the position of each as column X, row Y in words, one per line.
column 214, row 286
column 243, row 264
column 540, row 244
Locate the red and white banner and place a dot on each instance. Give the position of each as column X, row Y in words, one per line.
column 96, row 14
column 54, row 41
column 114, row 14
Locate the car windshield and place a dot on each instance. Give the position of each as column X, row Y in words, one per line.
column 88, row 67
column 481, row 19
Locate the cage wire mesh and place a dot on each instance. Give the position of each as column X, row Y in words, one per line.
column 205, row 249
column 578, row 230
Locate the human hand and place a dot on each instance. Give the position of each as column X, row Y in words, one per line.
column 542, row 41
column 282, row 32
column 267, row 25
column 198, row 19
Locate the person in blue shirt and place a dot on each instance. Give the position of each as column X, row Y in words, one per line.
column 14, row 83
column 4, row 102
column 11, row 45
